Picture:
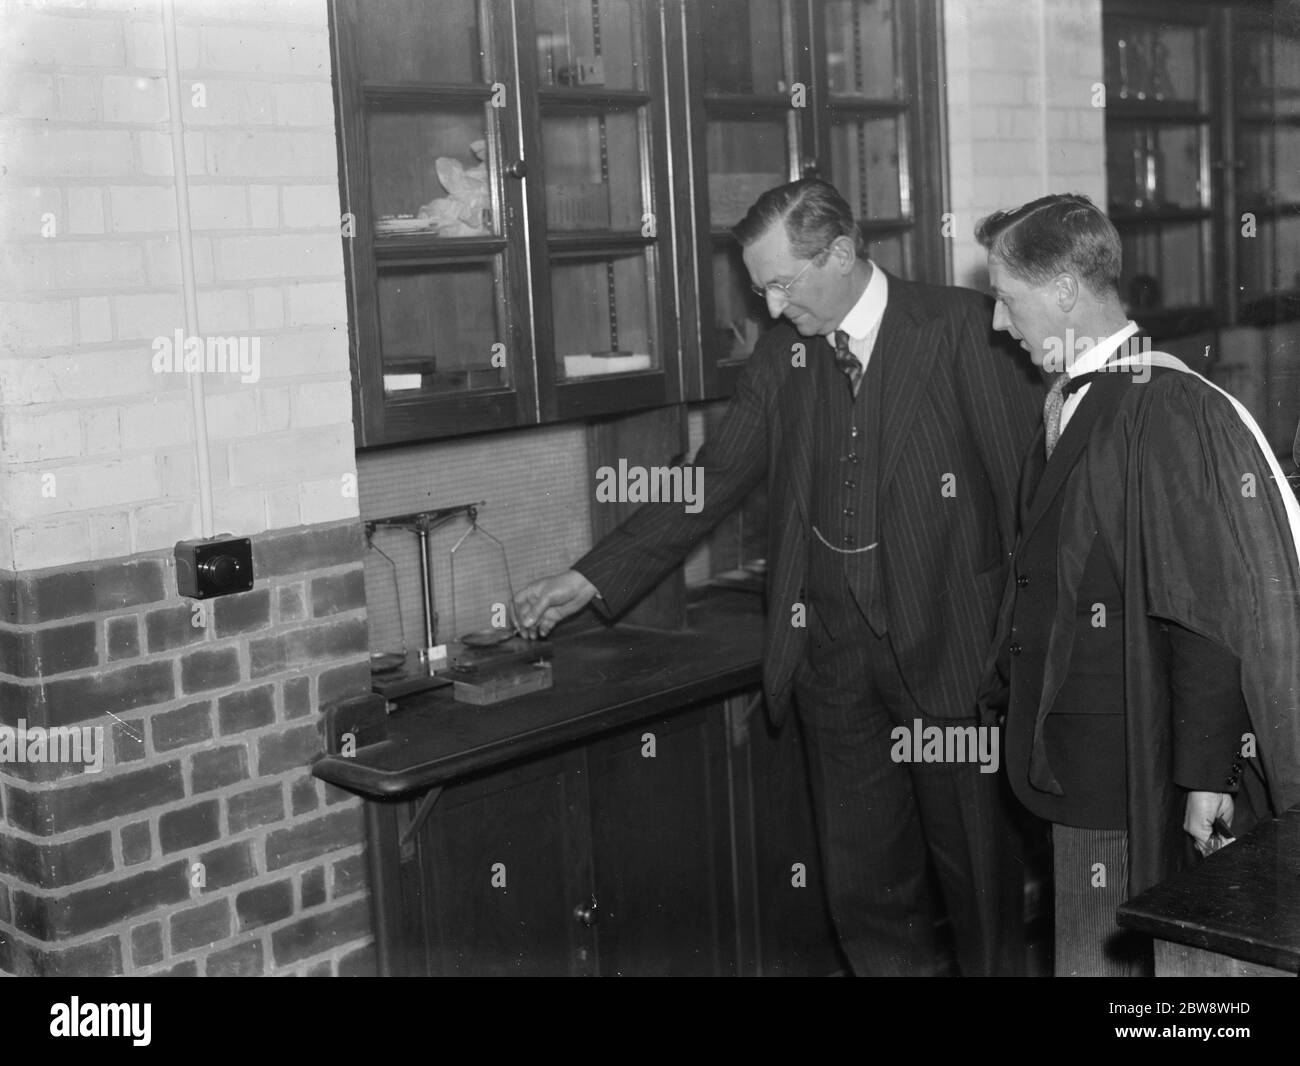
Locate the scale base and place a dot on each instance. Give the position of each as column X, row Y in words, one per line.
column 462, row 664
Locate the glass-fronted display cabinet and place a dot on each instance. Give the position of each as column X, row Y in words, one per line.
column 1266, row 126
column 1159, row 130
column 504, row 175
column 608, row 330
column 537, row 194
column 1203, row 161
column 781, row 89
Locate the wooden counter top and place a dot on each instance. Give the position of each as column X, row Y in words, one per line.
column 1243, row 901
column 604, row 678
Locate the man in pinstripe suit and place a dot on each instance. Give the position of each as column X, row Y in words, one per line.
column 890, row 429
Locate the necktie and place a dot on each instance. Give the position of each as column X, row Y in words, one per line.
column 847, row 361
column 1052, row 407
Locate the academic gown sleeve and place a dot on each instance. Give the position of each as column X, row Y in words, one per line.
column 1209, row 547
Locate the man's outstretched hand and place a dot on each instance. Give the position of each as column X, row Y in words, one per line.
column 545, row 602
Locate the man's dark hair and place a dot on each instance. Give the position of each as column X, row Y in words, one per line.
column 814, row 214
column 1062, row 233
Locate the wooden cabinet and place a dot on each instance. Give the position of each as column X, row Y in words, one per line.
column 683, row 846
column 1160, row 154
column 536, row 193
column 662, row 851
column 1202, row 151
column 1266, row 174
column 783, row 89
column 504, row 173
column 498, row 864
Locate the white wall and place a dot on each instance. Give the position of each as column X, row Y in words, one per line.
column 98, row 453
column 1022, row 122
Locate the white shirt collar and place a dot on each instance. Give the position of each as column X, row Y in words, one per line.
column 864, row 317
column 1099, row 354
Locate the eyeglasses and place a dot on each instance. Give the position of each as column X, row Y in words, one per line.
column 783, row 287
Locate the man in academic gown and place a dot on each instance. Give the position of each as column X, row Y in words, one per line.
column 1148, row 656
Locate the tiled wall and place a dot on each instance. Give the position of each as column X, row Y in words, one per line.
column 537, row 496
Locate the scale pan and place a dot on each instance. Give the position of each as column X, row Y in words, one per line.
column 486, row 638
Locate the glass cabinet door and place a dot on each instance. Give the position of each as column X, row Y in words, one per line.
column 602, row 313
column 416, row 42
column 436, row 270
column 429, row 169
column 849, row 90
column 742, row 59
column 600, row 138
column 1160, row 191
column 869, row 136
column 439, row 327
column 1267, row 170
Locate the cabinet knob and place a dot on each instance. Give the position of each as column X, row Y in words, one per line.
column 808, row 166
column 587, row 913
column 517, row 169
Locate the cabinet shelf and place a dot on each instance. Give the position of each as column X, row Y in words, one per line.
column 743, row 103
column 569, row 244
column 589, row 98
column 1151, row 112
column 427, row 250
column 1272, row 208
column 1127, row 217
column 418, row 94
column 865, row 105
column 1269, row 121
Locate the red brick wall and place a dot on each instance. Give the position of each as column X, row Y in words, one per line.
column 210, row 730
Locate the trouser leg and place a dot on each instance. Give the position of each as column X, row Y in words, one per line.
column 1090, row 875
column 872, row 842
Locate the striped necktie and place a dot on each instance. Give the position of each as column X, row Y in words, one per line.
column 847, row 361
column 1052, row 408
column 1054, row 405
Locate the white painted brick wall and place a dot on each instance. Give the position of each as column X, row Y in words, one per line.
column 1021, row 123
column 91, row 274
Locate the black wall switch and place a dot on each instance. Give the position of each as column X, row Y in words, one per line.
column 216, row 567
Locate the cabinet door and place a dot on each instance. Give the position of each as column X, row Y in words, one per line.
column 661, row 848
column 432, row 225
column 746, row 116
column 1264, row 230
column 503, row 862
column 848, row 90
column 785, row 922
column 1161, row 69
column 595, row 133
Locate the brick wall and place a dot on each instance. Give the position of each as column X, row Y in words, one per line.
column 203, row 845
column 212, row 726
column 1022, row 120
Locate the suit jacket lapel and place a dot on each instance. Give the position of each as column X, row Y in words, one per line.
column 908, row 351
column 798, row 406
column 1031, row 473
